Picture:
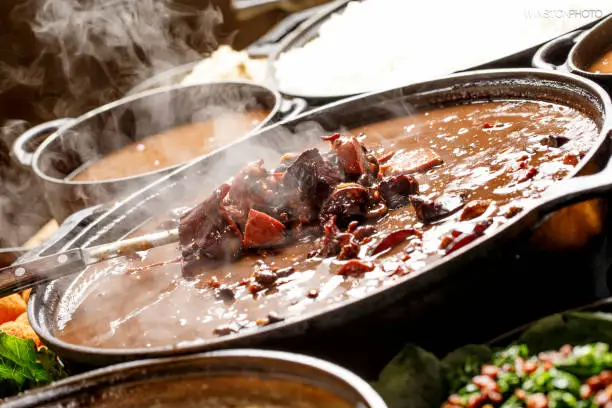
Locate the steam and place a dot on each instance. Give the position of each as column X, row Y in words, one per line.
column 102, row 48
column 18, row 186
column 69, row 56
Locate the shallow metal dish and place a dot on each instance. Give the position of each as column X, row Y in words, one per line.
column 575, row 51
column 115, row 125
column 182, row 382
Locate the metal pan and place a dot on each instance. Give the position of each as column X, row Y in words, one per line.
column 575, row 51
column 74, row 142
column 447, row 288
column 186, row 381
column 308, row 30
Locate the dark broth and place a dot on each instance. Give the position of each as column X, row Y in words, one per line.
column 485, row 147
column 174, row 146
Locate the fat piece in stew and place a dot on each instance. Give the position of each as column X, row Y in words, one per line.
column 364, row 211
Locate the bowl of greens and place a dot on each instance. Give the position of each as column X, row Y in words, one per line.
column 561, row 361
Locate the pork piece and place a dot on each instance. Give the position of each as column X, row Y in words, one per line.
column 428, row 211
column 348, row 202
column 312, row 177
column 263, row 231
column 411, row 161
column 334, row 242
column 207, row 232
column 396, row 190
column 356, row 161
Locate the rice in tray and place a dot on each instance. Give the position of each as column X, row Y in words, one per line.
column 377, row 44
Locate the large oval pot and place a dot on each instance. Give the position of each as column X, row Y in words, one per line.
column 565, row 253
column 252, row 377
column 75, row 142
column 576, row 51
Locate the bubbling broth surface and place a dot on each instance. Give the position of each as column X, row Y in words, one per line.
column 174, row 146
column 603, row 64
column 506, row 152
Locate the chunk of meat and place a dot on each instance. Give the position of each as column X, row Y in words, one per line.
column 396, row 190
column 393, row 239
column 355, row 267
column 352, row 156
column 348, row 202
column 570, row 159
column 312, row 177
column 428, row 211
column 554, row 140
column 464, row 239
column 334, row 242
column 525, row 175
column 411, row 161
column 208, row 232
column 263, row 231
column 474, row 209
column 356, row 161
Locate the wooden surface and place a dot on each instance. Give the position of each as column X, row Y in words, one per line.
column 42, row 235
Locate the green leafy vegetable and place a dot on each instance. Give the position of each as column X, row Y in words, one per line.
column 554, row 331
column 464, row 363
column 416, row 379
column 23, row 367
column 413, row 379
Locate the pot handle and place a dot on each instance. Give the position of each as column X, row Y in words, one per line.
column 576, row 190
column 20, row 150
column 266, row 45
column 541, row 58
column 290, row 108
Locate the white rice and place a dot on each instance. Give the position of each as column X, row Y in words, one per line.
column 378, row 44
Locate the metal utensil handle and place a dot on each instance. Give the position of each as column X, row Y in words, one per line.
column 22, row 276
column 130, row 245
column 20, row 150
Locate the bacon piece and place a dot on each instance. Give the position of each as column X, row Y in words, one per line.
column 393, row 239
column 355, row 267
column 464, row 239
column 411, row 161
column 263, row 231
column 351, row 154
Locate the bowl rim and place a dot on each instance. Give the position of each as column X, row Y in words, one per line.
column 73, row 386
column 41, row 150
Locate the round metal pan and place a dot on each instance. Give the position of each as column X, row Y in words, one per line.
column 575, row 51
column 74, row 142
column 570, row 266
column 184, row 382
column 308, row 30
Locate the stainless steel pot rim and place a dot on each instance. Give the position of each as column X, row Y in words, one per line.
column 369, row 395
column 482, row 77
column 131, row 98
